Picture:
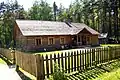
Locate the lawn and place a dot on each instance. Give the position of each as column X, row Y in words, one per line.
column 106, row 71
column 56, row 52
column 114, row 75
column 2, row 61
column 105, row 45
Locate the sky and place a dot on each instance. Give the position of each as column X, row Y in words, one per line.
column 28, row 3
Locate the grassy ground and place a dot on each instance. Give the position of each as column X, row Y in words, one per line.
column 108, row 71
column 56, row 52
column 2, row 61
column 114, row 75
column 105, row 45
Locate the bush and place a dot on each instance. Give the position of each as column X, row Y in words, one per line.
column 58, row 74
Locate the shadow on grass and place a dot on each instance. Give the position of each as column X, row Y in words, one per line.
column 95, row 71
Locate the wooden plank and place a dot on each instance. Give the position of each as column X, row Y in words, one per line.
column 102, row 54
column 90, row 57
column 115, row 53
column 13, row 57
column 54, row 58
column 68, row 62
column 85, row 58
column 78, row 60
column 98, row 55
column 58, row 60
column 62, row 62
column 107, row 54
column 74, row 60
column 93, row 57
column 118, row 52
column 65, row 62
column 39, row 67
column 51, row 64
column 47, row 66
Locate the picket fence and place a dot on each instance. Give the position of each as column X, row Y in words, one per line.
column 42, row 66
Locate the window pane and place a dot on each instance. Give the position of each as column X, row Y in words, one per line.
column 50, row 40
column 62, row 40
column 38, row 42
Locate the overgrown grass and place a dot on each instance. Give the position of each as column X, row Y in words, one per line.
column 2, row 61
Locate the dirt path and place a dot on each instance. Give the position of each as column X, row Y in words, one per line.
column 7, row 73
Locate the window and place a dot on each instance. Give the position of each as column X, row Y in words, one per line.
column 51, row 41
column 38, row 41
column 62, row 41
column 78, row 38
column 88, row 40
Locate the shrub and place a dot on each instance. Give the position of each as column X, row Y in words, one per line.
column 58, row 74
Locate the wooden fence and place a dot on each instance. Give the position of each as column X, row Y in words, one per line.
column 9, row 54
column 79, row 59
column 70, row 61
column 26, row 61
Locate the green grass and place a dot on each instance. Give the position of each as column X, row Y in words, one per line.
column 56, row 52
column 2, row 61
column 114, row 75
column 106, row 71
column 105, row 45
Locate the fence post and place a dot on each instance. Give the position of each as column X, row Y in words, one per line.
column 39, row 67
column 111, row 53
column 13, row 56
column 93, row 57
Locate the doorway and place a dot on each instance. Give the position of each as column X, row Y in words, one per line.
column 83, row 40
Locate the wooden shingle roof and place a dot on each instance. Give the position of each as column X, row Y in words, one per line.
column 36, row 28
column 80, row 27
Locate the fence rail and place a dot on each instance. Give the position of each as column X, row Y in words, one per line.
column 70, row 61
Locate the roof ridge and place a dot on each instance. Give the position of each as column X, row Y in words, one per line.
column 39, row 20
